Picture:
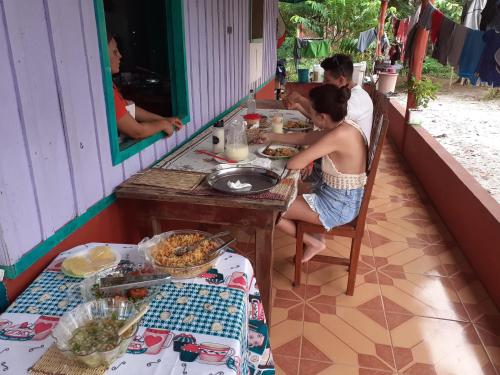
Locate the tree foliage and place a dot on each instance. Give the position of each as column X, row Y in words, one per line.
column 334, row 19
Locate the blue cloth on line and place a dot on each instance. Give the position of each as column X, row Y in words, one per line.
column 471, row 54
column 487, row 65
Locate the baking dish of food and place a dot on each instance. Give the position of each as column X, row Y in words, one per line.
column 160, row 252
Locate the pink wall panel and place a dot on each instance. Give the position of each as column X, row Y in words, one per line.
column 38, row 103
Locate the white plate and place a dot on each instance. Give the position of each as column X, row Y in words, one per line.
column 84, row 252
column 309, row 127
column 272, row 147
column 251, row 157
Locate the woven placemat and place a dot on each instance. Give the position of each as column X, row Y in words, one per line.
column 53, row 362
column 168, row 179
column 281, row 191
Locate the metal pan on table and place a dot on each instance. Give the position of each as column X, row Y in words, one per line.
column 260, row 179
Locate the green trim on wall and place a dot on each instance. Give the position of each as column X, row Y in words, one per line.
column 4, row 301
column 30, row 258
column 46, row 246
column 178, row 74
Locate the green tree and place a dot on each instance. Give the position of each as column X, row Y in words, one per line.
column 335, row 19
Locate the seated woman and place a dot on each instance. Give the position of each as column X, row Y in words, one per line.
column 145, row 123
column 342, row 147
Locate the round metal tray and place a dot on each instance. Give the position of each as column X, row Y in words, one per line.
column 261, row 179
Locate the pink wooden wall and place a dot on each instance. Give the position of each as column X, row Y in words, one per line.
column 55, row 159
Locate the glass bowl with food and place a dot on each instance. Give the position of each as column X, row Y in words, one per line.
column 160, row 251
column 89, row 333
column 91, row 288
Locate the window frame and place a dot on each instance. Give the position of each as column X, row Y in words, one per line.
column 178, row 77
column 252, row 39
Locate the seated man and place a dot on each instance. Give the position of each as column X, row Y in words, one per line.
column 338, row 72
column 145, row 123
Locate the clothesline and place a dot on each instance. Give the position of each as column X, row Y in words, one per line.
column 472, row 53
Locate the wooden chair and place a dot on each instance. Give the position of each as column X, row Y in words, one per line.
column 356, row 228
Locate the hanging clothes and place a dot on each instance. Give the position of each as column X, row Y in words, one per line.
column 487, row 67
column 408, row 51
column 490, row 16
column 425, row 19
column 316, row 48
column 471, row 54
column 472, row 16
column 414, row 19
column 456, row 45
column 402, row 31
column 366, row 38
column 443, row 43
column 437, row 19
column 297, row 51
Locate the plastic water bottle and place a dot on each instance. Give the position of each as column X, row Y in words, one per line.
column 251, row 105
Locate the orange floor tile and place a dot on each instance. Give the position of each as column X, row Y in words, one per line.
column 418, row 308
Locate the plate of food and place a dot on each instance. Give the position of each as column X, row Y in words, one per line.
column 297, row 126
column 89, row 261
column 278, row 152
column 160, row 252
column 94, row 287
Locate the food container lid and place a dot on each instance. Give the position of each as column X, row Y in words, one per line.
column 252, row 116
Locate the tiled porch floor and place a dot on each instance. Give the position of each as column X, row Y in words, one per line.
column 417, row 309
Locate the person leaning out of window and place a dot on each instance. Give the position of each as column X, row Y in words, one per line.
column 145, row 123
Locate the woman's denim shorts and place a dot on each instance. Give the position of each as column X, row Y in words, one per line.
column 335, row 207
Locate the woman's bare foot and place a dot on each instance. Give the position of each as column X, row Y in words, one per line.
column 313, row 248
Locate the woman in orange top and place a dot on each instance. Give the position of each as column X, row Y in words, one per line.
column 145, row 123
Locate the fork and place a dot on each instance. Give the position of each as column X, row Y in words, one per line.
column 181, row 250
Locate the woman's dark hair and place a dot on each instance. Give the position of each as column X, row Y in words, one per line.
column 110, row 36
column 339, row 65
column 331, row 100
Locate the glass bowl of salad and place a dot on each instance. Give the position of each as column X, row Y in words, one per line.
column 88, row 289
column 89, row 333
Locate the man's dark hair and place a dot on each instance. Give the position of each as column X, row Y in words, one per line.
column 339, row 65
column 331, row 100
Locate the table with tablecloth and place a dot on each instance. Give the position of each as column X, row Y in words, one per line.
column 219, row 313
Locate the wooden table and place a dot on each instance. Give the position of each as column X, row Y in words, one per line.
column 156, row 206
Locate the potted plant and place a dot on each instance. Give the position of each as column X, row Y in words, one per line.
column 424, row 90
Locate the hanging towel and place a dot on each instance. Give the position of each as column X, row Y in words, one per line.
column 471, row 54
column 487, row 64
column 437, row 20
column 443, row 43
column 316, row 48
column 456, row 45
column 366, row 38
column 425, row 19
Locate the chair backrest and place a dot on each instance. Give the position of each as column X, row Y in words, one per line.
column 378, row 133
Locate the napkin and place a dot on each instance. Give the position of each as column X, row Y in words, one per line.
column 243, row 186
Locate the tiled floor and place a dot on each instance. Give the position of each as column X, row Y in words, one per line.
column 417, row 309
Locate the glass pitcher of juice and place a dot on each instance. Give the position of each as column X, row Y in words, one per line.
column 236, row 140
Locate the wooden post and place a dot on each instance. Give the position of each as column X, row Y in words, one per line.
column 419, row 49
column 381, row 23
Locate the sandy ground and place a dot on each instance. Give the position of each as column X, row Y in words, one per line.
column 468, row 126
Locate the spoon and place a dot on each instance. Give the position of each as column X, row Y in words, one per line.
column 129, row 323
column 184, row 249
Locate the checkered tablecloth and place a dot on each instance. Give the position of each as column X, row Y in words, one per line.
column 208, row 311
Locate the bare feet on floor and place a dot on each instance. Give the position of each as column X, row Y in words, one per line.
column 315, row 246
